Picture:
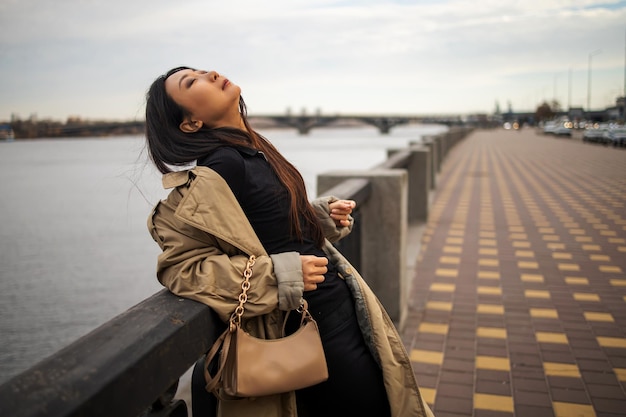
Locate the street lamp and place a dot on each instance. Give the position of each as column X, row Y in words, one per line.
column 591, row 54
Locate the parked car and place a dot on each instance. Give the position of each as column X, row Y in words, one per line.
column 616, row 136
column 596, row 133
column 558, row 127
column 549, row 127
column 563, row 128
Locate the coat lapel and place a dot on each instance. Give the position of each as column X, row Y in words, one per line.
column 210, row 205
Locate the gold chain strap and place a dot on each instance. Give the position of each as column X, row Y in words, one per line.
column 245, row 286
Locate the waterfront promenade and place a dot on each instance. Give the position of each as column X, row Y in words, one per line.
column 518, row 304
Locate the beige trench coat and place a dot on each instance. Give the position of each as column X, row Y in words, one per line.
column 206, row 240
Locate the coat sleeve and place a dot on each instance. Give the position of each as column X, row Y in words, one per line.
column 196, row 265
column 332, row 232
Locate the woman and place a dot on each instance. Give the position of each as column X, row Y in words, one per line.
column 243, row 197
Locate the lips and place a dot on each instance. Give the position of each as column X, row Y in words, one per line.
column 226, row 84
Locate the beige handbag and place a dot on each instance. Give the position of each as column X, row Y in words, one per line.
column 251, row 367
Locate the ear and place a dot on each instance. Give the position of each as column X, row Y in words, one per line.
column 190, row 126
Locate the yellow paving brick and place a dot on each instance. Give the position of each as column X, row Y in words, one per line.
column 583, row 296
column 568, row 267
column 546, row 230
column 620, row 373
column 518, row 236
column 488, row 262
column 489, row 309
column 608, row 233
column 487, row 234
column 621, row 248
column 487, row 242
column 440, row 287
column 594, row 316
column 572, row 410
column 488, row 274
column 536, row 294
column 450, row 273
column 550, row 337
column 531, row 278
column 489, row 290
column 576, row 281
column 550, row 238
column 450, row 260
column 602, row 258
column 521, row 244
column 571, row 225
column 491, row 332
column 591, row 247
column 452, row 249
column 494, row 363
column 583, row 239
column 518, row 229
column 618, row 282
column 524, row 254
column 456, row 232
column 610, row 269
column 556, row 246
column 492, row 402
column 548, row 313
column 454, row 240
column 599, row 226
column 577, row 231
column 439, row 305
column 616, row 342
column 527, row 265
column 561, row 369
column 561, row 255
column 426, row 356
column 488, row 251
column 617, row 240
column 428, row 394
column 436, row 328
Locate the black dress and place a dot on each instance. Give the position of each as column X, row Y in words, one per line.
column 355, row 385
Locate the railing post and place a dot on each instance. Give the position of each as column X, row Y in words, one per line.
column 418, row 166
column 419, row 183
column 383, row 234
column 431, row 143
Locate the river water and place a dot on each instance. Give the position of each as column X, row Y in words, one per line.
column 74, row 247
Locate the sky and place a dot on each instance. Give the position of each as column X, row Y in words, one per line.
column 95, row 59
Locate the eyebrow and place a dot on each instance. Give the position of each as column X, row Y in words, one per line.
column 181, row 80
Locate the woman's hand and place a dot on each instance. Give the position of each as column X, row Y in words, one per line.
column 313, row 270
column 340, row 211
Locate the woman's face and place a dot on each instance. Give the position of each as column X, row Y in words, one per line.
column 211, row 99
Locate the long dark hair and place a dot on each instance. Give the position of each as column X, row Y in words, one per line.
column 168, row 146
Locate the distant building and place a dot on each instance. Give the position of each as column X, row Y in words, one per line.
column 6, row 132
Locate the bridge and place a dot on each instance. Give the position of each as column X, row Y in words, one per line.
column 303, row 123
column 384, row 123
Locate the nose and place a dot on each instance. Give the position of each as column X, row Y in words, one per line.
column 213, row 75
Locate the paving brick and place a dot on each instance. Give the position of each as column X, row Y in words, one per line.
column 530, row 384
column 534, row 411
column 609, row 406
column 453, row 405
column 457, row 377
column 614, row 392
column 448, row 389
column 541, row 399
column 567, row 395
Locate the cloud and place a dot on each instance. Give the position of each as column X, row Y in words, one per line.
column 79, row 56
